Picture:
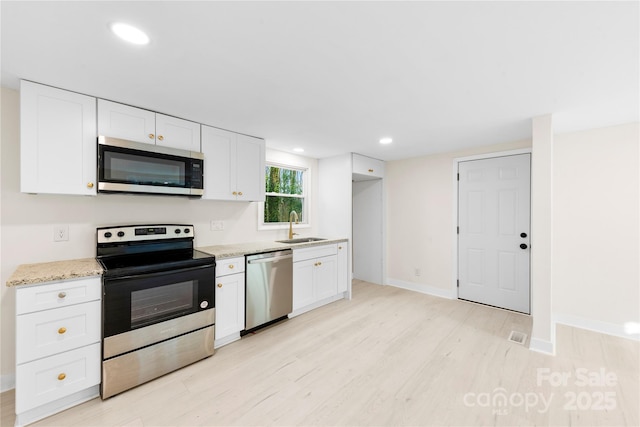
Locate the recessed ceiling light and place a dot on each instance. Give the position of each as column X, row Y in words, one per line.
column 298, row 150
column 129, row 33
column 386, row 141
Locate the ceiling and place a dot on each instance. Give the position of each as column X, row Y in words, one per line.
column 334, row 77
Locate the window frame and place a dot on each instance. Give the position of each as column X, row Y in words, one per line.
column 306, row 195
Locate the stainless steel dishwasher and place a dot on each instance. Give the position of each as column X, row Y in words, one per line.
column 269, row 288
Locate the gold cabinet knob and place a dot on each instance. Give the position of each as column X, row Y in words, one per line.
column 160, row 137
column 62, row 376
column 370, row 170
column 90, row 185
column 62, row 330
column 62, row 294
column 151, row 136
column 339, row 247
column 319, row 263
column 219, row 285
column 230, row 266
column 235, row 193
column 240, row 193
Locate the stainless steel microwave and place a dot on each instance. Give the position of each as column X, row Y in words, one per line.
column 134, row 167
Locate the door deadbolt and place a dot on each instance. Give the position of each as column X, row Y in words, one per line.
column 523, row 235
column 523, row 246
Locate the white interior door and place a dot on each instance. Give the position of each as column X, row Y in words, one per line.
column 367, row 231
column 493, row 235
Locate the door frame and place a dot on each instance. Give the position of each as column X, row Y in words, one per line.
column 454, row 230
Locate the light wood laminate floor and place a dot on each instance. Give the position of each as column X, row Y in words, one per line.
column 387, row 357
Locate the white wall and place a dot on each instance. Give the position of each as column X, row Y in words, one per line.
column 27, row 220
column 596, row 277
column 420, row 219
column 595, row 214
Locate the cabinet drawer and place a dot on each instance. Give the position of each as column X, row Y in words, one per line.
column 367, row 167
column 54, row 331
column 229, row 266
column 304, row 254
column 58, row 294
column 45, row 380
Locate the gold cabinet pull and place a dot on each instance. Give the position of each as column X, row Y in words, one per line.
column 240, row 193
column 235, row 193
column 62, row 330
column 370, row 170
column 90, row 185
column 339, row 247
column 160, row 138
column 230, row 266
column 62, row 376
column 319, row 263
column 151, row 136
column 62, row 294
column 219, row 285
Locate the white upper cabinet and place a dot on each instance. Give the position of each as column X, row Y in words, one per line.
column 365, row 168
column 57, row 141
column 233, row 166
column 136, row 124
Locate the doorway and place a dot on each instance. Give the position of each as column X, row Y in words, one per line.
column 367, row 229
column 494, row 221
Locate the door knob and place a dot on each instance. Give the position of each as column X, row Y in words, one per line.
column 523, row 246
column 523, row 235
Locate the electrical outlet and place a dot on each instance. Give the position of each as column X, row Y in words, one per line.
column 417, row 272
column 217, row 225
column 61, row 233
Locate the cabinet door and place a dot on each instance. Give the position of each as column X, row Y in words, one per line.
column 343, row 267
column 177, row 133
column 219, row 151
column 367, row 168
column 250, row 169
column 229, row 305
column 57, row 141
column 126, row 122
column 326, row 277
column 303, row 289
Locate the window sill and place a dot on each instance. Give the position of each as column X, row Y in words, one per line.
column 281, row 226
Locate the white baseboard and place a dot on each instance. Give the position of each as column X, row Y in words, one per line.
column 7, row 382
column 542, row 346
column 423, row 289
column 595, row 326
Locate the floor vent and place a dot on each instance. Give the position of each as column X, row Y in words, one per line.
column 517, row 337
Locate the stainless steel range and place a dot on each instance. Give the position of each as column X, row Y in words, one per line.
column 158, row 303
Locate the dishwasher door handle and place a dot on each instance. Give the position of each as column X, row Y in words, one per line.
column 271, row 259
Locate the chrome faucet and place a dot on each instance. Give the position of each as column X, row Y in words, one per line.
column 292, row 215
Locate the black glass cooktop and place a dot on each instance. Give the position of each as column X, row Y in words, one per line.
column 125, row 265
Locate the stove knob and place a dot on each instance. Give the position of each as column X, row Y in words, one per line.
column 108, row 234
column 120, row 233
column 187, row 231
column 178, row 231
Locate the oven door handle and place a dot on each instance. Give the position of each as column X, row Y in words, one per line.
column 270, row 259
column 158, row 273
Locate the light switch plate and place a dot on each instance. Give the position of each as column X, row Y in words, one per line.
column 217, row 225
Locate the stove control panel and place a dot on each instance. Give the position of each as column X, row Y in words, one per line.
column 132, row 233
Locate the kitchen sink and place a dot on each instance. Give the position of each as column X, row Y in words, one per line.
column 301, row 240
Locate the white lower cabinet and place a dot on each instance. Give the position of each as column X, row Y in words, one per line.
column 229, row 300
column 315, row 277
column 58, row 346
column 343, row 268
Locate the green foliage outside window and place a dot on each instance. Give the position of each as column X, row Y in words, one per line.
column 284, row 193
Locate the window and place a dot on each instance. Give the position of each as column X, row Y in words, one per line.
column 285, row 192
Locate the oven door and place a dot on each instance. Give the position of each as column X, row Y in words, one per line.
column 133, row 302
column 133, row 167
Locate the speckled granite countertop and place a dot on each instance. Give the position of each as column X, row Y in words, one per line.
column 28, row 274
column 242, row 249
